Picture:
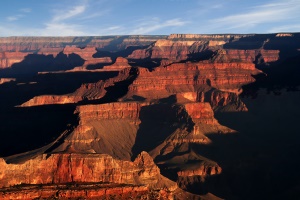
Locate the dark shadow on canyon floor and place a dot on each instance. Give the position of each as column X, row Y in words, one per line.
column 158, row 122
column 25, row 129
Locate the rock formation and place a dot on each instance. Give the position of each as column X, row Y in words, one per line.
column 87, row 91
column 92, row 168
column 154, row 115
column 141, row 175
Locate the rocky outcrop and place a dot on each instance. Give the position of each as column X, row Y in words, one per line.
column 269, row 56
column 255, row 56
column 6, row 80
column 181, row 146
column 103, row 175
column 120, row 110
column 202, row 116
column 235, row 55
column 120, row 64
column 89, row 168
column 86, row 54
column 200, row 112
column 50, row 51
column 176, row 50
column 203, row 170
column 191, row 77
column 7, row 59
column 222, row 100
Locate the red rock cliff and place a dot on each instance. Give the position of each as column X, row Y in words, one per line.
column 190, row 77
column 97, row 168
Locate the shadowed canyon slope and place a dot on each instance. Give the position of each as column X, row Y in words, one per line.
column 183, row 116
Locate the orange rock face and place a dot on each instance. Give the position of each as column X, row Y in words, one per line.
column 203, row 170
column 120, row 64
column 190, row 77
column 103, row 175
column 90, row 168
column 200, row 112
column 234, row 55
column 109, row 111
column 85, row 53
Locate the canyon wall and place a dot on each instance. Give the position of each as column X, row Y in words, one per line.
column 97, row 168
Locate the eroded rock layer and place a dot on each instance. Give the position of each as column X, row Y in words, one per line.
column 104, row 177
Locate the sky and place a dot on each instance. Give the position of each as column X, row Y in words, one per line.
column 146, row 17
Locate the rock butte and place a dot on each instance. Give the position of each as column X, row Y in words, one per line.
column 157, row 112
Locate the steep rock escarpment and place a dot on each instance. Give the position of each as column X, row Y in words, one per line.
column 96, row 168
column 99, row 169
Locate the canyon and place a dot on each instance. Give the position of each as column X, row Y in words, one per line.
column 184, row 116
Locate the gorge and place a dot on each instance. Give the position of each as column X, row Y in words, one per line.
column 183, row 116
